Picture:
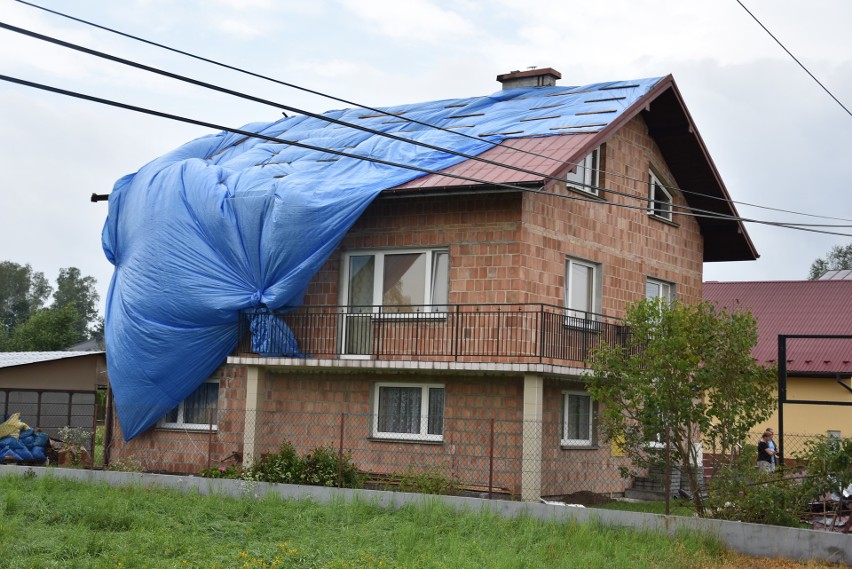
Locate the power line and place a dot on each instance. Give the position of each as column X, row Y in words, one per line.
column 246, row 133
column 383, row 112
column 824, row 88
column 680, row 209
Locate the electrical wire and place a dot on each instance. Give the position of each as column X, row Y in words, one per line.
column 383, row 112
column 681, row 209
column 246, row 133
column 824, row 88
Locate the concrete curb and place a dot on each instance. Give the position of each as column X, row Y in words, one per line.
column 750, row 539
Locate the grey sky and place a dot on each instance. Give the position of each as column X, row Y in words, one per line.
column 777, row 139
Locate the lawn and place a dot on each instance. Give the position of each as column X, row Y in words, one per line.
column 50, row 522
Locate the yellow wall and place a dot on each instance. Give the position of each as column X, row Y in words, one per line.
column 79, row 373
column 814, row 419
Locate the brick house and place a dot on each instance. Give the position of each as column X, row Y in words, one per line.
column 450, row 328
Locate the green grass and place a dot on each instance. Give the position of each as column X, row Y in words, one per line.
column 676, row 507
column 49, row 522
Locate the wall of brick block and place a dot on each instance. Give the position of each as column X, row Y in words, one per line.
column 511, row 248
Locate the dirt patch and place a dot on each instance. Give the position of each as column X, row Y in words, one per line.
column 583, row 498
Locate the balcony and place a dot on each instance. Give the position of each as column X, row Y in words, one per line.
column 470, row 333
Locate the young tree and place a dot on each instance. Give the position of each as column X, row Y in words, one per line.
column 47, row 330
column 838, row 258
column 685, row 373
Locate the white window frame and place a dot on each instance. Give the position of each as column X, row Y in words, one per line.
column 180, row 424
column 423, row 435
column 573, row 312
column 586, row 175
column 654, row 209
column 565, row 441
column 667, row 289
column 378, row 278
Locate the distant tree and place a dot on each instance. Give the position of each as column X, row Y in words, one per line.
column 79, row 292
column 22, row 293
column 686, row 372
column 49, row 329
column 25, row 323
column 838, row 258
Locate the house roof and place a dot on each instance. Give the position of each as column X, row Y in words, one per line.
column 11, row 359
column 838, row 275
column 795, row 308
column 669, row 123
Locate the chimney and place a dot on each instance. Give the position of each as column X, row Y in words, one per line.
column 532, row 77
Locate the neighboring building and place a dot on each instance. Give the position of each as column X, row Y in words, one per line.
column 451, row 304
column 817, row 369
column 52, row 390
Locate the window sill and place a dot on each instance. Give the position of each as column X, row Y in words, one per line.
column 579, row 447
column 585, row 193
column 201, row 429
column 376, row 439
column 663, row 220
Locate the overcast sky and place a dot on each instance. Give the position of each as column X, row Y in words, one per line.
column 778, row 140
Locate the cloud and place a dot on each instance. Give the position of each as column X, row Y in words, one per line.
column 414, row 20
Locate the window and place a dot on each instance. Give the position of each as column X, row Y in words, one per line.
column 399, row 281
column 409, row 411
column 196, row 412
column 582, row 291
column 585, row 177
column 659, row 289
column 660, row 199
column 577, row 419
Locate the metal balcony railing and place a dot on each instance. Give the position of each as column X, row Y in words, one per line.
column 516, row 333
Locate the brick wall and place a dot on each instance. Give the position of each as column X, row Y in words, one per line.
column 511, row 248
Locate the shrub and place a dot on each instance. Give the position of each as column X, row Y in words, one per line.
column 75, row 439
column 126, row 464
column 317, row 468
column 282, row 467
column 740, row 492
column 320, row 468
column 430, row 481
column 230, row 471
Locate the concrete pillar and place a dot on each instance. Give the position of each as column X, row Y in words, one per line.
column 254, row 403
column 531, row 446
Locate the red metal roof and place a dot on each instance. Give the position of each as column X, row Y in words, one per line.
column 795, row 308
column 541, row 156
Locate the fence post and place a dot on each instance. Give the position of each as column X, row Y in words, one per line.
column 209, row 436
column 340, row 453
column 491, row 461
column 668, row 484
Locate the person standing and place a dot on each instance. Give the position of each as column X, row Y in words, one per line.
column 766, row 452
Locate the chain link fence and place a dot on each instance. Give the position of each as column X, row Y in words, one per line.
column 480, row 456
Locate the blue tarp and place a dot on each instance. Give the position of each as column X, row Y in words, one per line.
column 227, row 223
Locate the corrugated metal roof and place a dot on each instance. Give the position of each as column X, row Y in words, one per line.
column 543, row 156
column 838, row 275
column 795, row 308
column 11, row 359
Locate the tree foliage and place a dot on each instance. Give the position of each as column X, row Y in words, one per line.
column 26, row 324
column 22, row 292
column 838, row 258
column 686, row 372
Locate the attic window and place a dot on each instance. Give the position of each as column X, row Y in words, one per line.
column 659, row 198
column 585, row 177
